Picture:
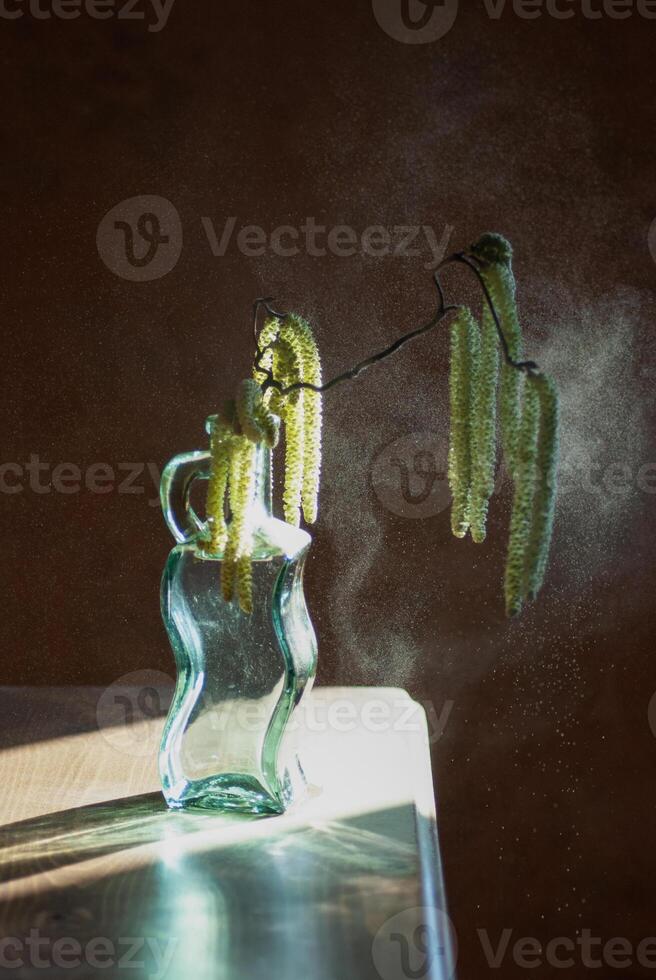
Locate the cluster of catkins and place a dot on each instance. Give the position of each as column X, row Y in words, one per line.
column 287, row 354
column 528, row 423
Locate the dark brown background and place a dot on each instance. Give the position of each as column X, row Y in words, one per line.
column 273, row 112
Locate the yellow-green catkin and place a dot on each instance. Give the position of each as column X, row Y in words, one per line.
column 294, row 439
column 269, row 425
column 228, row 564
column 289, row 352
column 281, row 368
column 245, row 583
column 484, row 429
column 236, row 567
column 288, row 369
column 525, row 476
column 216, row 488
column 465, row 352
column 265, row 341
column 299, row 335
column 244, row 549
column 256, row 420
column 232, row 470
column 496, row 256
column 291, row 355
column 278, row 360
column 544, row 503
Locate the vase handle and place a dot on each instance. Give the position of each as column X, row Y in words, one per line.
column 175, row 492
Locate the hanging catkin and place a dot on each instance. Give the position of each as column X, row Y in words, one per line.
column 496, row 256
column 234, row 569
column 228, row 568
column 484, row 428
column 289, row 352
column 217, row 485
column 525, row 476
column 544, row 504
column 265, row 341
column 465, row 345
column 298, row 334
column 288, row 367
column 255, row 419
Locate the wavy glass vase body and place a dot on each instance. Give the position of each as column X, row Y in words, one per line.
column 228, row 743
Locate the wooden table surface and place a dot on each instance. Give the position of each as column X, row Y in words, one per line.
column 98, row 878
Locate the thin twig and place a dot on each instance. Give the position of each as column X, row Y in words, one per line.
column 265, row 301
column 529, row 367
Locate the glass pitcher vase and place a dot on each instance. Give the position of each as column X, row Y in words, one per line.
column 228, row 741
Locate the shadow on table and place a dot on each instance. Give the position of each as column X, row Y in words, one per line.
column 55, row 840
column 39, row 714
column 70, row 837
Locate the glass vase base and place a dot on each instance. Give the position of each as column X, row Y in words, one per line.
column 235, row 793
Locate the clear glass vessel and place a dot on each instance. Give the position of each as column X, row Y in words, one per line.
column 227, row 742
